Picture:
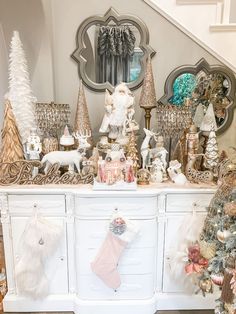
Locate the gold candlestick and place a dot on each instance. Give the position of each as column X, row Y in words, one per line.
column 147, row 117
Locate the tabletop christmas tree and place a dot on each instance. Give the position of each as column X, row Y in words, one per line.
column 82, row 122
column 132, row 151
column 211, row 157
column 20, row 93
column 148, row 94
column 12, row 149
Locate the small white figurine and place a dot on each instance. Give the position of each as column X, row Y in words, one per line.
column 159, row 152
column 33, row 145
column 145, row 150
column 175, row 173
column 157, row 170
column 69, row 158
column 119, row 111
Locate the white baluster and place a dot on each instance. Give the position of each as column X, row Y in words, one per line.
column 226, row 11
column 219, row 12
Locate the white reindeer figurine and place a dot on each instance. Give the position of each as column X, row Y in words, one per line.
column 145, row 146
column 69, row 158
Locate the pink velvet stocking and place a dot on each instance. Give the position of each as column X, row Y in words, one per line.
column 105, row 263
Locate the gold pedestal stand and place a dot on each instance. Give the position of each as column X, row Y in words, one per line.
column 148, row 116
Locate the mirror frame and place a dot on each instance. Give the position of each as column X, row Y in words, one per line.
column 203, row 65
column 111, row 15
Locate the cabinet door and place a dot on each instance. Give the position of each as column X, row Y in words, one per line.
column 55, row 265
column 175, row 278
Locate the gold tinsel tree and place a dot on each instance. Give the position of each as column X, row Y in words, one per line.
column 12, row 149
column 132, row 151
column 82, row 122
column 148, row 94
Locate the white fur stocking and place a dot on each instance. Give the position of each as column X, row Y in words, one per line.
column 38, row 242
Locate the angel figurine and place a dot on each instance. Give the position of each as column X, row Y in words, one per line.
column 119, row 109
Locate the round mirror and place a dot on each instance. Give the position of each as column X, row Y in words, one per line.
column 112, row 49
column 199, row 86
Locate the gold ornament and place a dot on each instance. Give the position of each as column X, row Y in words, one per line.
column 148, row 94
column 12, row 149
column 222, row 236
column 206, row 285
column 207, row 250
column 82, row 122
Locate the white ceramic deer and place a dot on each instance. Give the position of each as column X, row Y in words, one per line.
column 69, row 158
column 145, row 146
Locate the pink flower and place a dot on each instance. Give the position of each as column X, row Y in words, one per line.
column 194, row 253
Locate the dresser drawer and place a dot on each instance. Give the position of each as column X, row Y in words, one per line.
column 91, row 233
column 188, row 202
column 133, row 287
column 104, row 207
column 132, row 261
column 46, row 204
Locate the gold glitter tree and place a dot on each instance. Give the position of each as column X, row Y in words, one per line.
column 148, row 94
column 82, row 122
column 12, row 149
column 132, row 151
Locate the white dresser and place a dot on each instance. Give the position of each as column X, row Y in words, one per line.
column 144, row 267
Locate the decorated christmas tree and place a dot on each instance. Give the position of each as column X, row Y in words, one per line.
column 11, row 149
column 20, row 94
column 82, row 122
column 211, row 157
column 212, row 258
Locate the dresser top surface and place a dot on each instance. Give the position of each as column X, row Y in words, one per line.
column 87, row 190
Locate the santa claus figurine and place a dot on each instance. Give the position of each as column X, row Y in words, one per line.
column 119, row 108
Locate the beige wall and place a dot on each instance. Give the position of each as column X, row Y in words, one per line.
column 48, row 29
column 29, row 18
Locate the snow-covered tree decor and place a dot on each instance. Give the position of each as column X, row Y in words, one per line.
column 20, row 93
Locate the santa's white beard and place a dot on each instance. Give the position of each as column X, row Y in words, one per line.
column 120, row 104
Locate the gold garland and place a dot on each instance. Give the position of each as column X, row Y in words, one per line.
column 20, row 172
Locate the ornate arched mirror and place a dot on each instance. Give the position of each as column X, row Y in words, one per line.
column 111, row 49
column 201, row 85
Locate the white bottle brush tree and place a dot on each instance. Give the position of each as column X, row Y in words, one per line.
column 20, row 93
column 211, row 157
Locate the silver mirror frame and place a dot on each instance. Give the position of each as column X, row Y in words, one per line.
column 113, row 15
column 194, row 69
